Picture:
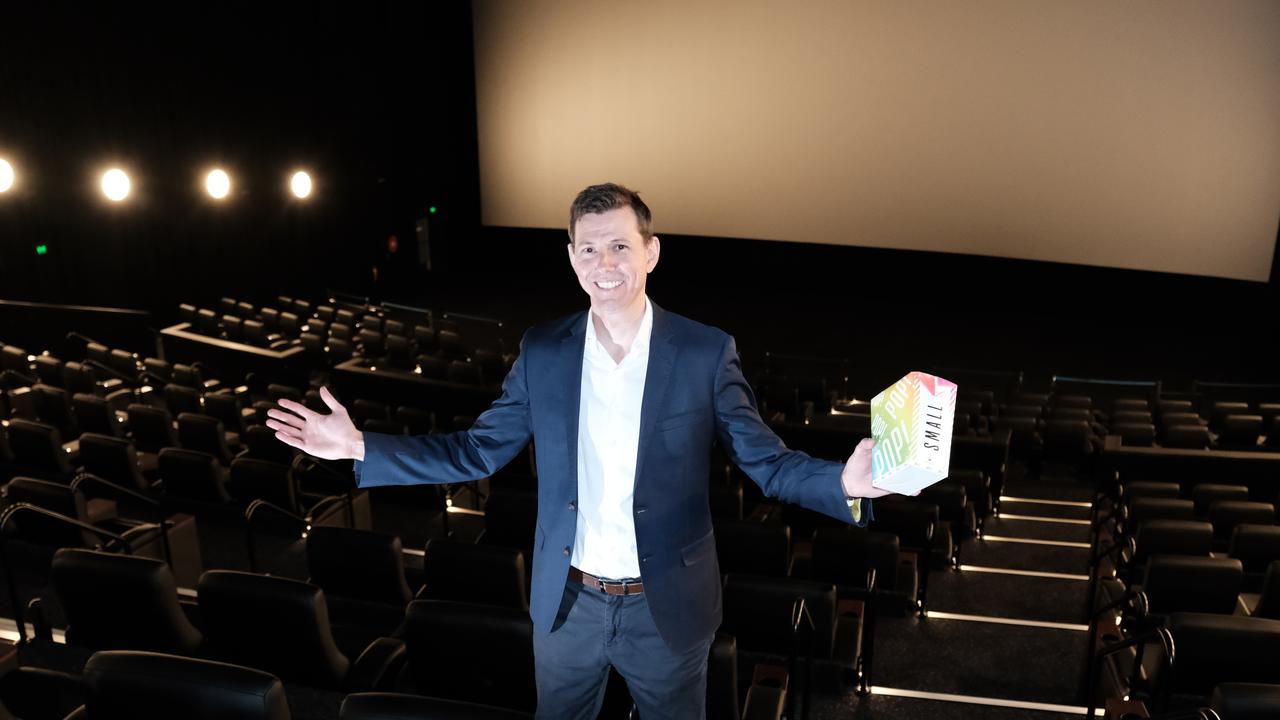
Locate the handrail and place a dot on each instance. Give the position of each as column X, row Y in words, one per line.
column 5, row 517
column 150, row 502
column 1162, row 634
column 110, row 371
column 252, row 511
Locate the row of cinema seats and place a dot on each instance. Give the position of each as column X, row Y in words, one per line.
column 332, row 335
column 1185, row 599
column 291, row 628
column 135, row 684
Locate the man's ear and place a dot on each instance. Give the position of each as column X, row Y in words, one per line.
column 652, row 249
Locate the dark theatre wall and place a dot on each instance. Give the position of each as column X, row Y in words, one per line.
column 378, row 100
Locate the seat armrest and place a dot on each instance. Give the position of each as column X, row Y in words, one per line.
column 770, row 675
column 764, row 703
column 1118, row 709
column 378, row 666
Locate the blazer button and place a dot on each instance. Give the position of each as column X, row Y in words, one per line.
column 566, row 551
column 573, row 505
column 640, row 509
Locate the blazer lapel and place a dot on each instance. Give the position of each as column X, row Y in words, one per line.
column 662, row 360
column 571, row 349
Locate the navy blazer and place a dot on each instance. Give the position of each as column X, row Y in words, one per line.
column 694, row 393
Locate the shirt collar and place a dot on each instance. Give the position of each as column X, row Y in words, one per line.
column 641, row 343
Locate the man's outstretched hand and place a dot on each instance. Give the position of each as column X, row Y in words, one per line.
column 856, row 476
column 331, row 437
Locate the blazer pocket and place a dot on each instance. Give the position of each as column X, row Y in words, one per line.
column 677, row 421
column 698, row 550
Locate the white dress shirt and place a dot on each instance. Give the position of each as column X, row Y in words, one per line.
column 608, row 442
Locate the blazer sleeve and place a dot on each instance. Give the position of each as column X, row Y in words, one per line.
column 497, row 436
column 782, row 473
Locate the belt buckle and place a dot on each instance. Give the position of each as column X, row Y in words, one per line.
column 626, row 587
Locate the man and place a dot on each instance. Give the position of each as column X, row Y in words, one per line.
column 623, row 404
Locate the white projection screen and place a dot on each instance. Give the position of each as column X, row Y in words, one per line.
column 1140, row 134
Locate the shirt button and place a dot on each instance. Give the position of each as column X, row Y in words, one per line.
column 566, row 551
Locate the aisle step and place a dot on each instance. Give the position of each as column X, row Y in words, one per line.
column 1057, row 556
column 1043, row 508
column 1008, row 595
column 1006, row 662
column 1015, row 525
column 891, row 703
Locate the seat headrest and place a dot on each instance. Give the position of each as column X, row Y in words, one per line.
column 357, row 564
column 126, row 683
column 1212, row 648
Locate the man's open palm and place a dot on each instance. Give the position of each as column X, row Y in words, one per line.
column 331, row 437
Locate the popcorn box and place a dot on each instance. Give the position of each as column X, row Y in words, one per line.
column 911, row 422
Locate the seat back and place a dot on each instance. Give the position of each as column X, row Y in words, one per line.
column 1136, row 434
column 1191, row 437
column 277, row 625
column 121, row 602
column 1180, row 583
column 38, row 445
column 1227, row 514
column 1204, row 495
column 133, row 684
column 1269, row 600
column 1255, row 545
column 53, row 406
column 490, row 657
column 95, row 415
column 758, row 611
column 261, row 443
column 112, row 459
column 744, row 546
column 252, row 479
column 192, row 475
column 1143, row 509
column 1173, row 537
column 152, row 428
column 1212, row 648
column 843, row 556
column 226, row 408
column 1246, row 701
column 464, row 572
column 52, row 496
column 357, row 564
column 204, row 433
column 181, row 398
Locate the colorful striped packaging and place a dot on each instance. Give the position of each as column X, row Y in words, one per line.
column 911, row 422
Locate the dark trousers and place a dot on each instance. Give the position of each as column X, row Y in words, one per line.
column 594, row 630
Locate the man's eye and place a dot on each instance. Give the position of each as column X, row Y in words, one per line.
column 620, row 246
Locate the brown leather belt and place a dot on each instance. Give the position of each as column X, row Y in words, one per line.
column 612, row 587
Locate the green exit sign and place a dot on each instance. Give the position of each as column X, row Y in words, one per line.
column 42, row 249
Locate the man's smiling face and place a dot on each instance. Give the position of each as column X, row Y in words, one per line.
column 611, row 259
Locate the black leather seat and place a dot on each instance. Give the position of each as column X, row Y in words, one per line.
column 1246, row 701
column 121, row 602
column 190, row 475
column 474, row 653
column 1180, row 583
column 1227, row 514
column 53, row 406
column 1212, row 649
column 745, row 546
column 34, row 693
column 1256, row 546
column 1172, row 537
column 1143, row 509
column 205, row 434
column 59, row 498
column 1240, row 431
column 152, row 428
column 37, row 450
column 133, row 684
column 363, row 577
column 260, row 442
column 1190, row 437
column 398, row 706
column 96, row 415
column 281, row 626
column 181, row 398
column 1204, row 495
column 484, row 574
column 115, row 460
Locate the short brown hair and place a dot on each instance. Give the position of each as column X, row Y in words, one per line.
column 598, row 199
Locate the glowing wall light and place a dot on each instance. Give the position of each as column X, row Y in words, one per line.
column 6, row 175
column 115, row 184
column 217, row 183
column 300, row 184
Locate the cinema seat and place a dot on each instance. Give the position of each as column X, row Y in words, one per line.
column 1255, row 546
column 140, row 612
column 152, row 428
column 281, row 626
column 362, row 575
column 751, row 547
column 96, row 415
column 465, row 572
column 1205, row 494
column 1212, row 649
column 37, row 450
column 206, row 434
column 473, row 653
column 1187, row 437
column 1227, row 514
column 1246, row 701
column 133, row 684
